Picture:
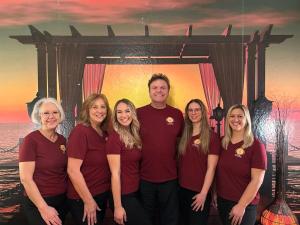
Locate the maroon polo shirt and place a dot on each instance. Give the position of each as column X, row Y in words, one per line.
column 193, row 164
column 160, row 129
column 86, row 144
column 234, row 170
column 130, row 162
column 50, row 172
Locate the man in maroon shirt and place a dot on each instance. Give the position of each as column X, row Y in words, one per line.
column 161, row 126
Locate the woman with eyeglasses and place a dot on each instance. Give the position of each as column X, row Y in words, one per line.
column 240, row 170
column 199, row 150
column 43, row 166
column 124, row 155
column 88, row 170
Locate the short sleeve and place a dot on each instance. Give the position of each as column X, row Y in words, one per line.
column 77, row 143
column 214, row 145
column 113, row 144
column 259, row 156
column 27, row 150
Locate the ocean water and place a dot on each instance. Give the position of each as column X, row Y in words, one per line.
column 11, row 190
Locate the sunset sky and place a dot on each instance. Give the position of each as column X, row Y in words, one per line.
column 18, row 66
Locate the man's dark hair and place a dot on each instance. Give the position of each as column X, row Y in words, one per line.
column 159, row 76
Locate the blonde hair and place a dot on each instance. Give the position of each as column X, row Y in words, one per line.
column 35, row 115
column 130, row 136
column 204, row 135
column 248, row 135
column 84, row 116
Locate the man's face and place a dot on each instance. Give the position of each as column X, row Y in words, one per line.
column 159, row 91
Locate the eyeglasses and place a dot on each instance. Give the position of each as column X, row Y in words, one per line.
column 196, row 110
column 47, row 114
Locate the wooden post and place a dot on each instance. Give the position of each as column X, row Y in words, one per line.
column 251, row 75
column 42, row 72
column 261, row 73
column 52, row 69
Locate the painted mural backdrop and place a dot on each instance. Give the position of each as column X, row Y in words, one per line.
column 18, row 66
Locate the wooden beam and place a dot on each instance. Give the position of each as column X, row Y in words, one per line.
column 227, row 31
column 189, row 31
column 146, row 31
column 36, row 34
column 266, row 33
column 110, row 31
column 74, row 31
column 147, row 60
column 151, row 40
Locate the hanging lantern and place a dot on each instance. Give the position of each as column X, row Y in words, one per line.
column 278, row 213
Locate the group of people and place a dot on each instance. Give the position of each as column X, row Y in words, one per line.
column 153, row 166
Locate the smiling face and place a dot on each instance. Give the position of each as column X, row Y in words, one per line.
column 98, row 112
column 50, row 116
column 194, row 112
column 237, row 120
column 123, row 114
column 159, row 92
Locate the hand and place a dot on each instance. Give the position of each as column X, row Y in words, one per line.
column 120, row 215
column 236, row 214
column 199, row 201
column 90, row 212
column 50, row 215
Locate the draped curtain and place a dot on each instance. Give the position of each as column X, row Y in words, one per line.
column 228, row 64
column 71, row 60
column 93, row 78
column 211, row 90
column 210, row 87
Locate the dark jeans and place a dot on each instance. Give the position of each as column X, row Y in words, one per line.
column 77, row 206
column 225, row 206
column 59, row 202
column 135, row 212
column 165, row 197
column 188, row 215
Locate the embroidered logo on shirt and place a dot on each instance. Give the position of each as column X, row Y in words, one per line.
column 196, row 142
column 239, row 152
column 63, row 148
column 170, row 120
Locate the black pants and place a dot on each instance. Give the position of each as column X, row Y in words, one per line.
column 165, row 197
column 135, row 212
column 225, row 206
column 188, row 215
column 77, row 206
column 59, row 202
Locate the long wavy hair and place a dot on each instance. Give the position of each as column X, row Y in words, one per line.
column 84, row 116
column 248, row 135
column 204, row 135
column 129, row 135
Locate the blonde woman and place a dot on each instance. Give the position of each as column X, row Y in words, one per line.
column 124, row 154
column 88, row 170
column 43, row 166
column 241, row 169
column 199, row 150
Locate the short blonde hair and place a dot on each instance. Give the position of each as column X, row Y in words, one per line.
column 248, row 135
column 35, row 115
column 84, row 116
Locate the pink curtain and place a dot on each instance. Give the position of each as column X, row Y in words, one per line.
column 211, row 90
column 210, row 86
column 93, row 78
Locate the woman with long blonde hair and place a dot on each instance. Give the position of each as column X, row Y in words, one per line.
column 240, row 170
column 199, row 151
column 124, row 154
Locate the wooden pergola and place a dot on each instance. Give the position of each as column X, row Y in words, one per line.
column 149, row 49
